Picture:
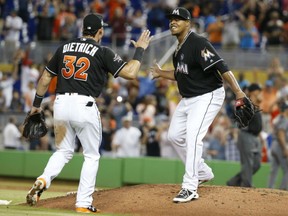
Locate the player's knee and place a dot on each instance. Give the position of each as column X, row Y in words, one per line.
column 175, row 139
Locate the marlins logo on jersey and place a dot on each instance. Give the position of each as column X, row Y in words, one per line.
column 206, row 54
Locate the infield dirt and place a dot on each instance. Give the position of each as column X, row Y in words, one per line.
column 156, row 200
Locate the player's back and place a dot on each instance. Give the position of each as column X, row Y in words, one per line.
column 78, row 65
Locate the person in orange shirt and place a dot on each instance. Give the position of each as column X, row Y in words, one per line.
column 214, row 31
column 269, row 94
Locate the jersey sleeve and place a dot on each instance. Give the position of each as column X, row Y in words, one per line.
column 113, row 62
column 206, row 54
column 52, row 66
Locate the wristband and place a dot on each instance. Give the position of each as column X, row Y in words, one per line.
column 138, row 55
column 37, row 100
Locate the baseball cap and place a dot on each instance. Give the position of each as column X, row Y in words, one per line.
column 180, row 12
column 93, row 22
column 254, row 87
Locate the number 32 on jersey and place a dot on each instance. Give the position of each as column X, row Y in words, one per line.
column 75, row 68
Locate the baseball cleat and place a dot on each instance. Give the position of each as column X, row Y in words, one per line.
column 35, row 192
column 186, row 195
column 90, row 210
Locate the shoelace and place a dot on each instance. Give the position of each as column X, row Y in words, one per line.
column 184, row 192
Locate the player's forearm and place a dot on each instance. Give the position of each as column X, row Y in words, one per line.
column 230, row 78
column 43, row 83
column 167, row 74
column 130, row 70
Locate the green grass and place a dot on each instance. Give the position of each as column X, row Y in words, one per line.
column 17, row 194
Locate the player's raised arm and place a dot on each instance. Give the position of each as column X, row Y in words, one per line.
column 130, row 70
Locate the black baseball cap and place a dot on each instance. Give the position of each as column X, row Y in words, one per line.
column 253, row 87
column 181, row 13
column 93, row 22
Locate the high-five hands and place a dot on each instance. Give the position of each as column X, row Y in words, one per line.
column 143, row 40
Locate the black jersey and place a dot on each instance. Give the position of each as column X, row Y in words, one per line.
column 82, row 65
column 193, row 64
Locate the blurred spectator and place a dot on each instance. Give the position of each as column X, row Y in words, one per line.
column 118, row 108
column 230, row 34
column 126, row 141
column 249, row 143
column 12, row 29
column 242, row 81
column 279, row 149
column 275, row 68
column 217, row 143
column 146, row 85
column 16, row 102
column 214, row 31
column 273, row 31
column 29, row 73
column 12, row 134
column 156, row 20
column 269, row 93
column 113, row 5
column 254, row 8
column 108, row 130
column 118, row 25
column 97, row 6
column 249, row 36
column 29, row 96
column 45, row 23
column 150, row 137
column 162, row 107
column 137, row 22
column 2, row 101
column 7, row 84
column 69, row 29
column 147, row 109
column 207, row 13
column 231, row 151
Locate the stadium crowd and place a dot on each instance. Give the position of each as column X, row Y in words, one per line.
column 144, row 105
column 240, row 23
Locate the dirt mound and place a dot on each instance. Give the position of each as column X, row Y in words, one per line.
column 156, row 199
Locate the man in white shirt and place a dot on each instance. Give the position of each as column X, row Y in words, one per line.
column 13, row 26
column 127, row 140
column 11, row 134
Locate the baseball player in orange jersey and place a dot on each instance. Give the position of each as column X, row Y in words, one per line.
column 81, row 66
column 198, row 70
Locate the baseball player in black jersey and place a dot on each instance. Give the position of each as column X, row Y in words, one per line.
column 81, row 66
column 198, row 70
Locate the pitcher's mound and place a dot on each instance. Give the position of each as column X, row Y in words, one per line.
column 156, row 200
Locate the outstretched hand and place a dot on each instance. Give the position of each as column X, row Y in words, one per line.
column 155, row 71
column 143, row 40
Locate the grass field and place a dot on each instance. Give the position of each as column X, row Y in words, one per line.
column 16, row 190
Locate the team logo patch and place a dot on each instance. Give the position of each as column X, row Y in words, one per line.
column 206, row 54
column 117, row 58
column 176, row 12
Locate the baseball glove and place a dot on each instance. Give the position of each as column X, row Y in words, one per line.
column 244, row 111
column 34, row 126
